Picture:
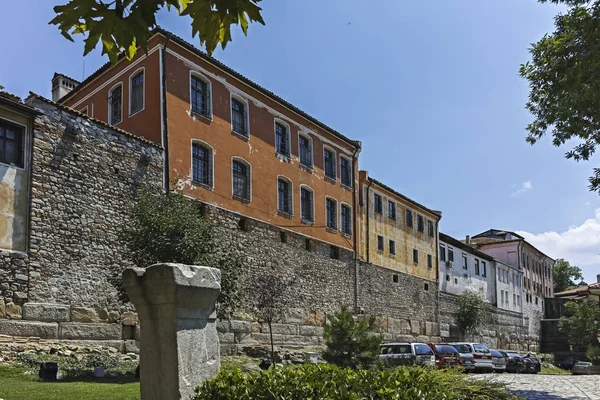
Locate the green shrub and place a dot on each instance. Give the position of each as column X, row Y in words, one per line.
column 350, row 343
column 321, row 381
column 593, row 353
column 79, row 367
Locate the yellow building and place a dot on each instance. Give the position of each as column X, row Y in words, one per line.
column 397, row 232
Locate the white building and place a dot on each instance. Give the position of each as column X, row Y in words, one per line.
column 509, row 287
column 464, row 269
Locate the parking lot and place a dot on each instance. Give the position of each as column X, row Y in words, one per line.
column 551, row 387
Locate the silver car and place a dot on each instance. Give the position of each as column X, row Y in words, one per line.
column 481, row 355
column 581, row 368
column 498, row 361
column 407, row 354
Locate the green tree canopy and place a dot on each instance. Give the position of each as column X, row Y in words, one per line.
column 472, row 312
column 124, row 25
column 564, row 82
column 578, row 323
column 564, row 273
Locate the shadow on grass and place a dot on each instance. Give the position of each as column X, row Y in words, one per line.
column 118, row 380
column 538, row 395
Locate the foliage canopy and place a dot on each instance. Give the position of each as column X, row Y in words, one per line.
column 578, row 322
column 472, row 312
column 564, row 274
column 124, row 25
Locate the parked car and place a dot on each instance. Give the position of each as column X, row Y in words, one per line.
column 568, row 363
column 514, row 362
column 498, row 361
column 445, row 355
column 581, row 368
column 482, row 357
column 532, row 364
column 407, row 354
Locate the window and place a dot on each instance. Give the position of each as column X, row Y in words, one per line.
column 415, row 256
column 442, row 253
column 426, row 287
column 395, row 278
column 346, row 219
column 115, row 105
column 306, row 205
column 239, row 117
column 137, row 93
column 391, row 210
column 331, row 210
column 284, row 196
column 465, row 262
column 392, row 245
column 307, row 245
column 202, row 164
column 200, row 96
column 409, row 218
column 346, row 171
column 329, row 156
column 447, row 277
column 476, row 267
column 420, row 223
column 514, row 299
column 282, row 139
column 334, row 252
column 305, row 149
column 12, row 149
column 429, row 261
column 283, row 236
column 430, row 229
column 483, row 269
column 241, row 180
column 502, row 296
column 450, row 254
column 378, row 203
column 380, row 243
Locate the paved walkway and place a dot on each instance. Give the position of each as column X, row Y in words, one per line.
column 552, row 387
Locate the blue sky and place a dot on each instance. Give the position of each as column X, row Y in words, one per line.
column 431, row 88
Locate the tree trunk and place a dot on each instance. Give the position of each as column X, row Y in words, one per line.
column 272, row 347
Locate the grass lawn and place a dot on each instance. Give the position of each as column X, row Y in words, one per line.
column 15, row 385
column 549, row 369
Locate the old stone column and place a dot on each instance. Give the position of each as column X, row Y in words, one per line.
column 179, row 347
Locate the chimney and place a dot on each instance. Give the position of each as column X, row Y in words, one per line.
column 61, row 85
column 468, row 240
column 598, row 278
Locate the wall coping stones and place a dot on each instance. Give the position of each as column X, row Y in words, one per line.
column 46, row 312
column 82, row 331
column 44, row 330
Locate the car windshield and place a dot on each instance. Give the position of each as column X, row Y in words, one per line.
column 445, row 349
column 395, row 349
column 480, row 348
column 423, row 349
column 462, row 348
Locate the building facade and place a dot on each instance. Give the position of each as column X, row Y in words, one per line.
column 509, row 287
column 397, row 232
column 229, row 142
column 464, row 269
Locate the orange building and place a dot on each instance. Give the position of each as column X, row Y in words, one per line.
column 230, row 142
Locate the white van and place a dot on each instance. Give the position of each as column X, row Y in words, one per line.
column 407, row 354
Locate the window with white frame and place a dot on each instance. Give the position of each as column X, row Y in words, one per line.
column 483, row 269
column 202, row 164
column 465, row 261
column 307, row 204
column 241, row 179
column 331, row 213
column 450, row 254
column 200, row 96
column 12, row 144
column 345, row 171
column 305, row 150
column 329, row 158
column 282, row 139
column 239, row 116
column 477, row 267
column 346, row 217
column 284, row 195
column 115, row 105
column 137, row 93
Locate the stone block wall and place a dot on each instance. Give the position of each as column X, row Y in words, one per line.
column 83, row 176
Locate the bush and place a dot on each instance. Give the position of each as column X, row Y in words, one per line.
column 350, row 343
column 593, row 353
column 319, row 381
column 79, row 367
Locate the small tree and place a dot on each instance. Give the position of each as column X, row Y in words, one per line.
column 350, row 343
column 578, row 322
column 270, row 298
column 563, row 275
column 593, row 353
column 170, row 228
column 472, row 312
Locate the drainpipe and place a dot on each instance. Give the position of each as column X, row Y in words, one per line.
column 368, row 224
column 165, row 125
column 355, row 230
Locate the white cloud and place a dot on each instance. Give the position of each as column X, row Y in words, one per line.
column 580, row 245
column 525, row 187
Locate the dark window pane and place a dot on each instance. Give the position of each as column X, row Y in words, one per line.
column 241, row 180
column 442, row 253
column 378, row 203
column 238, row 117
column 116, row 98
column 330, row 164
column 391, row 209
column 420, row 223
column 392, row 247
column 284, row 198
column 306, row 204
column 346, row 171
column 409, row 218
column 202, row 164
column 331, row 213
column 346, row 220
column 282, row 145
column 430, row 228
column 137, row 93
column 11, row 144
column 305, row 151
column 415, row 256
column 380, row 243
column 200, row 97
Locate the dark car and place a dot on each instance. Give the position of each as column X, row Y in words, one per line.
column 532, row 364
column 445, row 355
column 568, row 363
column 514, row 362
